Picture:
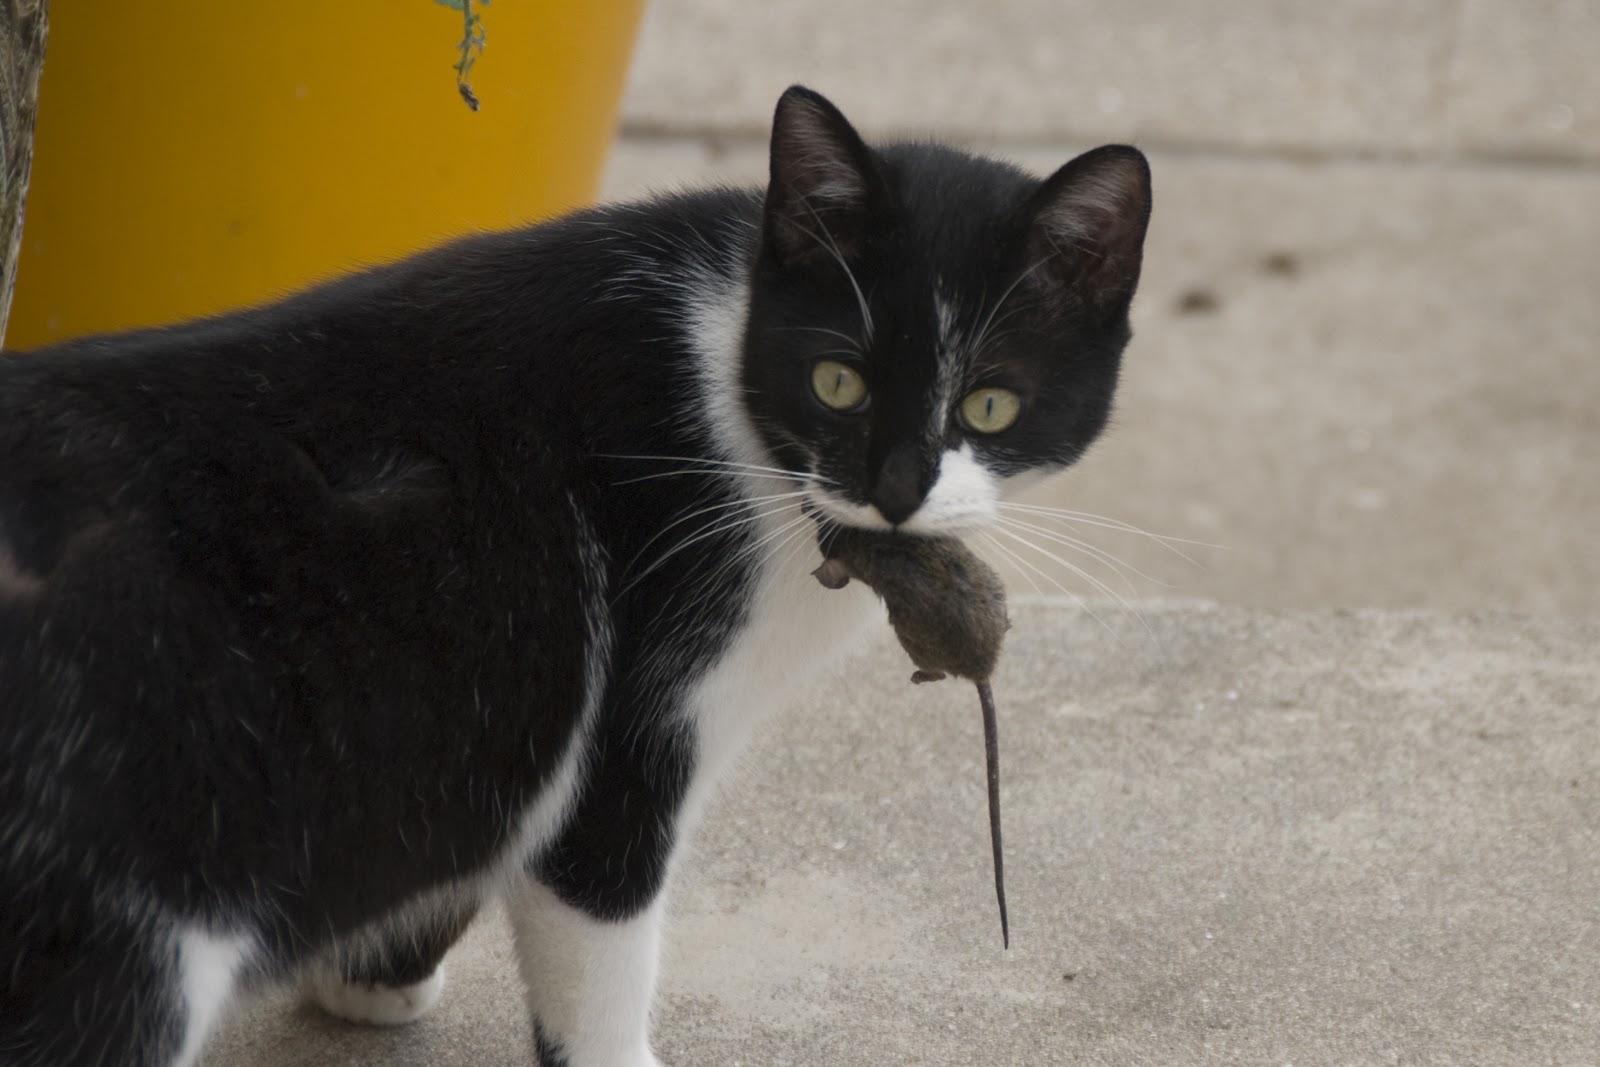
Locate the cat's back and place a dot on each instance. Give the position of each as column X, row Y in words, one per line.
column 272, row 488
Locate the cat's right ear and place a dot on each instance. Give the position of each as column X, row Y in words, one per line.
column 823, row 185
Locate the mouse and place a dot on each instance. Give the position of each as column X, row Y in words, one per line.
column 948, row 610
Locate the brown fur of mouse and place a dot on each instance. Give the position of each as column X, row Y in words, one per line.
column 947, row 606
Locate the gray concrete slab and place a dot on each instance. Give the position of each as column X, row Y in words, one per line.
column 1523, row 81
column 1233, row 837
column 1435, row 78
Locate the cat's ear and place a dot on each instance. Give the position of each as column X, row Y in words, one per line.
column 1086, row 228
column 823, row 184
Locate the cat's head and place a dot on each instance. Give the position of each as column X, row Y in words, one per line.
column 927, row 327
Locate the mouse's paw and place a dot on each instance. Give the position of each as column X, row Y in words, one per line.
column 928, row 676
column 832, row 574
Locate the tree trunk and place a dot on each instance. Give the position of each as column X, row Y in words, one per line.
column 23, row 27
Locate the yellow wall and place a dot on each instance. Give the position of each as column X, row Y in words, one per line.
column 197, row 155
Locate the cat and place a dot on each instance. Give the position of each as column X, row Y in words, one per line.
column 468, row 576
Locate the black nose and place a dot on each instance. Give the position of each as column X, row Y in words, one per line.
column 898, row 492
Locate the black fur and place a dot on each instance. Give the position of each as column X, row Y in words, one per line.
column 549, row 1051
column 301, row 606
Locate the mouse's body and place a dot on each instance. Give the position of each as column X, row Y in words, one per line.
column 948, row 608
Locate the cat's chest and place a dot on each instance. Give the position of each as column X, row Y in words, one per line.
column 795, row 632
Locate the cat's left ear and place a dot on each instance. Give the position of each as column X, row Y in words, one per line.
column 824, row 181
column 1086, row 228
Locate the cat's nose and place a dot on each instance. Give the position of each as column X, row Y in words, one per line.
column 899, row 488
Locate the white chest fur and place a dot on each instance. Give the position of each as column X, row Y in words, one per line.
column 796, row 631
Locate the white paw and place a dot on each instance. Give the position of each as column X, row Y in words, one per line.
column 377, row 1005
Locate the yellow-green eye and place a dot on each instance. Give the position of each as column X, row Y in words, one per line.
column 837, row 386
column 990, row 410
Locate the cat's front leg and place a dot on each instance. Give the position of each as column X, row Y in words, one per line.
column 588, row 918
column 590, row 981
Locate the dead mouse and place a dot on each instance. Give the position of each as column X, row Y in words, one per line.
column 948, row 609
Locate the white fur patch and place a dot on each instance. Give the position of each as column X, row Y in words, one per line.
column 944, row 314
column 375, row 1005
column 951, row 365
column 208, row 966
column 589, row 982
column 962, row 498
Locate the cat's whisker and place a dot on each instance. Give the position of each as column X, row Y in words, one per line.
column 709, row 461
column 727, row 515
column 734, row 515
column 992, row 332
column 855, row 348
column 1005, row 551
column 832, row 247
column 1110, row 563
column 794, row 547
column 1029, row 566
column 705, row 465
column 791, row 538
column 1086, row 518
column 981, row 336
column 1100, row 586
column 1120, row 567
column 708, row 472
column 735, row 505
column 709, row 583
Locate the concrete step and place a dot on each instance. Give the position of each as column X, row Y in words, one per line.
column 1460, row 79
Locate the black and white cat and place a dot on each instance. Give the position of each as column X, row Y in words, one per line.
column 321, row 622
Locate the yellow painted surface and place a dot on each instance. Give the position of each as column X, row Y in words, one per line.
column 193, row 156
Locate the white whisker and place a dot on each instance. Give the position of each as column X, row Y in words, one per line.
column 994, row 542
column 1018, row 559
column 854, row 343
column 727, row 515
column 1090, row 519
column 702, row 464
column 1099, row 585
column 708, row 583
column 850, row 275
column 1115, row 564
column 981, row 336
column 707, row 472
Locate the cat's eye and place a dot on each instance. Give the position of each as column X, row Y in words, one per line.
column 990, row 410
column 838, row 386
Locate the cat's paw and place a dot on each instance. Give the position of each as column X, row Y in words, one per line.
column 373, row 1005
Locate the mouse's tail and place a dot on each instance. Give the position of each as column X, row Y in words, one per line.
column 991, row 749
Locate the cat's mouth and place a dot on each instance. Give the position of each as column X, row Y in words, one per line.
column 962, row 500
column 836, row 509
column 938, row 515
